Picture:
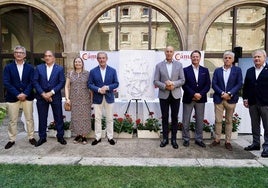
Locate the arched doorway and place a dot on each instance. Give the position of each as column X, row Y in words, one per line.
column 31, row 28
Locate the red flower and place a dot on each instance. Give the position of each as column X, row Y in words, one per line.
column 127, row 115
column 138, row 121
column 93, row 115
column 120, row 120
column 115, row 115
column 151, row 113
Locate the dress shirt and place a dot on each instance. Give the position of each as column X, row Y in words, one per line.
column 196, row 72
column 49, row 70
column 226, row 74
column 258, row 71
column 169, row 68
column 20, row 69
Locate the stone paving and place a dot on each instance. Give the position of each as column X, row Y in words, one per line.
column 127, row 152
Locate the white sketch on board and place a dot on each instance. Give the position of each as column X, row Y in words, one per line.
column 136, row 70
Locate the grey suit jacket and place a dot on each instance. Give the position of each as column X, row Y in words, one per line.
column 161, row 75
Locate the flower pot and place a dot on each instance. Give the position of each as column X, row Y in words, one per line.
column 92, row 134
column 206, row 135
column 233, row 137
column 179, row 134
column 122, row 135
column 53, row 133
column 148, row 134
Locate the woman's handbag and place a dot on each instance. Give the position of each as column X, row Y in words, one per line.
column 67, row 106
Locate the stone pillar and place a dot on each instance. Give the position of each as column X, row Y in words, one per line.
column 71, row 48
column 193, row 25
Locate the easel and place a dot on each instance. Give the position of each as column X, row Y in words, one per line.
column 137, row 109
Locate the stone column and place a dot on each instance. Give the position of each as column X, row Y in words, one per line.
column 71, row 35
column 193, row 25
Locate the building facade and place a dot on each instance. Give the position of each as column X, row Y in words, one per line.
column 67, row 27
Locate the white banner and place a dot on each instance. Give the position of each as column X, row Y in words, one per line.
column 135, row 69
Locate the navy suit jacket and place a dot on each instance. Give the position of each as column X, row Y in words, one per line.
column 95, row 82
column 56, row 81
column 256, row 91
column 234, row 84
column 14, row 86
column 191, row 87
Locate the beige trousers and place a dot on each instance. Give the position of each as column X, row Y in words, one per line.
column 229, row 111
column 13, row 113
column 98, row 108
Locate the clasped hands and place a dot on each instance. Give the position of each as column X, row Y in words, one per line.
column 47, row 96
column 103, row 89
column 225, row 96
column 169, row 85
column 197, row 97
column 22, row 97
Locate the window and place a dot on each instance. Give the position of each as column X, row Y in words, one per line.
column 145, row 37
column 145, row 11
column 110, row 34
column 105, row 14
column 125, row 37
column 125, row 12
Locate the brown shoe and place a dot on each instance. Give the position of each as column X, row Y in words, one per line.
column 215, row 143
column 228, row 146
column 32, row 141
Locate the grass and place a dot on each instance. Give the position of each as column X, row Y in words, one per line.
column 60, row 176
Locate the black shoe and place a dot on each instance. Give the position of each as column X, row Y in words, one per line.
column 174, row 144
column 9, row 144
column 32, row 141
column 252, row 147
column 77, row 139
column 200, row 143
column 40, row 142
column 264, row 153
column 186, row 143
column 84, row 140
column 62, row 141
column 111, row 141
column 95, row 142
column 164, row 143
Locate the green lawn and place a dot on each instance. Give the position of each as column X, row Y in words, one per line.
column 141, row 177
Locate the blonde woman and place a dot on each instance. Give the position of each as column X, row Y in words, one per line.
column 78, row 95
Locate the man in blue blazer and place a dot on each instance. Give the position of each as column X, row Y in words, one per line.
column 226, row 83
column 19, row 94
column 49, row 79
column 169, row 78
column 197, row 84
column 102, row 81
column 255, row 95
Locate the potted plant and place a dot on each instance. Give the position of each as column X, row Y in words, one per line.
column 103, row 127
column 52, row 130
column 236, row 122
column 123, row 127
column 150, row 129
column 207, row 128
column 3, row 113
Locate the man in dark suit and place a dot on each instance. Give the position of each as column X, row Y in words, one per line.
column 197, row 84
column 19, row 94
column 102, row 81
column 226, row 83
column 255, row 96
column 49, row 79
column 169, row 78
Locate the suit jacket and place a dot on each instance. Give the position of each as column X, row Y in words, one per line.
column 161, row 75
column 191, row 86
column 14, row 86
column 233, row 85
column 256, row 91
column 95, row 82
column 56, row 81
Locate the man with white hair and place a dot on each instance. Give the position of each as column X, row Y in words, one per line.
column 255, row 96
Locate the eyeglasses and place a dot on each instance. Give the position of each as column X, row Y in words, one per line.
column 19, row 53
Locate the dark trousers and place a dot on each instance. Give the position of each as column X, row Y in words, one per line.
column 258, row 113
column 42, row 108
column 174, row 105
